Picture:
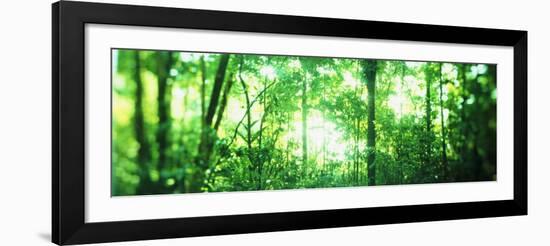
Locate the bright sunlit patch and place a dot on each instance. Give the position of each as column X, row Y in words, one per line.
column 236, row 111
column 118, row 81
column 295, row 64
column 173, row 72
column 268, row 72
column 186, row 57
column 122, row 109
column 449, row 70
column 413, row 64
column 396, row 103
column 326, row 71
column 321, row 134
column 413, row 85
column 178, row 95
column 482, row 68
column 399, row 101
column 350, row 80
column 474, row 71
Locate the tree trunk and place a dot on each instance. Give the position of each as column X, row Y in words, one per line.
column 477, row 158
column 463, row 116
column 304, row 123
column 294, row 167
column 369, row 68
column 357, row 152
column 180, row 159
column 248, row 116
column 207, row 132
column 443, row 136
column 223, row 102
column 400, row 144
column 144, row 151
column 428, row 138
column 260, row 158
column 164, row 64
column 324, row 149
column 216, row 89
column 357, row 132
column 203, row 91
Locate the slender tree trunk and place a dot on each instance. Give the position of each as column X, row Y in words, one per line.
column 288, row 141
column 260, row 158
column 369, row 68
column 443, row 134
column 294, row 167
column 356, row 142
column 164, row 64
column 304, row 123
column 248, row 125
column 400, row 144
column 203, row 91
column 465, row 133
column 182, row 149
column 357, row 132
column 324, row 148
column 216, row 89
column 144, row 151
column 248, row 117
column 220, row 112
column 207, row 132
column 223, row 103
column 478, row 161
column 428, row 136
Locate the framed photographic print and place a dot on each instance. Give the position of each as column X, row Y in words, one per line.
column 175, row 122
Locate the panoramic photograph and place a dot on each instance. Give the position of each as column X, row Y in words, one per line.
column 195, row 122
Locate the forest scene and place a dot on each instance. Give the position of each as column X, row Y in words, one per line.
column 190, row 122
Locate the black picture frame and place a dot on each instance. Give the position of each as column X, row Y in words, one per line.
column 68, row 122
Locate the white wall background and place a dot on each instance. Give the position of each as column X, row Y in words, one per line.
column 25, row 115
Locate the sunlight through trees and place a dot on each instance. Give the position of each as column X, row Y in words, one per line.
column 188, row 122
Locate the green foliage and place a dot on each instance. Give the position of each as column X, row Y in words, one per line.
column 196, row 122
